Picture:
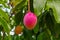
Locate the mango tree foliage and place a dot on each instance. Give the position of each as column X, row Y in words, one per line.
column 48, row 23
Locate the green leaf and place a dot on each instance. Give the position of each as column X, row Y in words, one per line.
column 57, row 28
column 40, row 37
column 4, row 3
column 19, row 6
column 50, row 20
column 29, row 33
column 5, row 25
column 4, row 15
column 18, row 17
column 36, row 29
column 55, row 5
column 43, row 36
column 38, row 6
column 14, row 2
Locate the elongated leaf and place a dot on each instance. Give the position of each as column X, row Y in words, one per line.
column 4, row 15
column 38, row 6
column 4, row 24
column 15, row 2
column 19, row 6
column 55, row 5
column 4, row 3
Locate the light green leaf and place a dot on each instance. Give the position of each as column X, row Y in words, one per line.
column 4, row 15
column 15, row 2
column 5, row 25
column 19, row 6
column 55, row 5
column 38, row 6
column 4, row 3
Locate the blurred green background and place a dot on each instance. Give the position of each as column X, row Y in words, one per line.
column 13, row 11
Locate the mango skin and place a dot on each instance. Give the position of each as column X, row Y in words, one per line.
column 30, row 20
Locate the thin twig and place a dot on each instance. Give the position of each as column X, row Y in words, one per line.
column 28, row 5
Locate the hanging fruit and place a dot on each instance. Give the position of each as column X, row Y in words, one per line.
column 30, row 19
column 18, row 29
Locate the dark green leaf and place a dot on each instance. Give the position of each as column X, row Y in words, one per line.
column 43, row 36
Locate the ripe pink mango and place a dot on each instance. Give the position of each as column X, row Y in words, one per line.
column 30, row 20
